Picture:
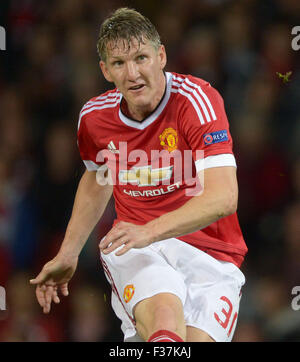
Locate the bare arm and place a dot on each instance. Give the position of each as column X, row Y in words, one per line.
column 219, row 199
column 90, row 203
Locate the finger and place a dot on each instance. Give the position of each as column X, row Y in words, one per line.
column 111, row 237
column 64, row 289
column 55, row 297
column 114, row 246
column 40, row 296
column 48, row 299
column 124, row 250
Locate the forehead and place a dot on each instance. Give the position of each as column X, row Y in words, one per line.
column 123, row 47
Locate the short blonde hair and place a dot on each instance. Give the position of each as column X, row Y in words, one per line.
column 126, row 24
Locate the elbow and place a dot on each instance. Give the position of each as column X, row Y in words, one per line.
column 232, row 203
column 231, row 208
column 229, row 205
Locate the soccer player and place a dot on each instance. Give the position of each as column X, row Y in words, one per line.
column 174, row 253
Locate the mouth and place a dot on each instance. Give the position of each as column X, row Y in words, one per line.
column 137, row 88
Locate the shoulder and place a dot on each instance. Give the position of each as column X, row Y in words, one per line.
column 191, row 84
column 197, row 96
column 99, row 105
column 188, row 78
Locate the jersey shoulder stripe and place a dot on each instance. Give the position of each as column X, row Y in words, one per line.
column 111, row 95
column 106, row 97
column 192, row 100
column 196, row 96
column 109, row 100
column 100, row 102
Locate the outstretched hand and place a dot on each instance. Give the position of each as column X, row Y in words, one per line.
column 54, row 277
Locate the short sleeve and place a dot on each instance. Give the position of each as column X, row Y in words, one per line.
column 86, row 144
column 206, row 128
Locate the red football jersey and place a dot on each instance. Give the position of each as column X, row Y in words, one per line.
column 154, row 162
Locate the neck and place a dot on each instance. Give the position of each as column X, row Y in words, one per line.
column 140, row 113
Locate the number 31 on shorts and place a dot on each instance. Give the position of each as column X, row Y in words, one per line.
column 227, row 313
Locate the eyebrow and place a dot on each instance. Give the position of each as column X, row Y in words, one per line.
column 138, row 52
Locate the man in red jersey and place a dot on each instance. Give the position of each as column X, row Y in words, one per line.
column 173, row 255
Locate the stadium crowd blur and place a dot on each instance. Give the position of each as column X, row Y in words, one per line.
column 50, row 69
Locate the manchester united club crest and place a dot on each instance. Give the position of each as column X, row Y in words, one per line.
column 128, row 292
column 169, row 139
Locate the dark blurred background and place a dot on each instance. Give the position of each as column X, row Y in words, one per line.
column 50, row 69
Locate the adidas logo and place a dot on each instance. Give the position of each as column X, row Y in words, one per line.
column 111, row 146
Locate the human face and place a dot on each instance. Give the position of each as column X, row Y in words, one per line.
column 137, row 73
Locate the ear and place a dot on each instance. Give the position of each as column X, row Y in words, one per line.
column 162, row 56
column 105, row 71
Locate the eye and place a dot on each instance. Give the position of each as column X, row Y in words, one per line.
column 141, row 57
column 117, row 63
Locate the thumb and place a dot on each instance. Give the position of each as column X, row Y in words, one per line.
column 42, row 277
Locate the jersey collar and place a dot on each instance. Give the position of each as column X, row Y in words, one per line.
column 155, row 114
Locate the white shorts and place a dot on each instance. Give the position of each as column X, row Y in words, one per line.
column 210, row 290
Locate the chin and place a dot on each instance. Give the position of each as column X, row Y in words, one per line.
column 140, row 101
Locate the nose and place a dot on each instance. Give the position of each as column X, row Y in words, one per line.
column 132, row 71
